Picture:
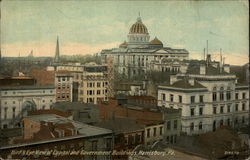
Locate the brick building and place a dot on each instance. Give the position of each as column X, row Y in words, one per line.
column 52, row 133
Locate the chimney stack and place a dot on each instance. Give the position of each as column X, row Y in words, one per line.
column 173, row 78
column 183, row 68
column 191, row 81
column 226, row 68
column 202, row 69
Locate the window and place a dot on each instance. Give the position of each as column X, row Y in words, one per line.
column 236, row 107
column 171, row 98
column 180, row 99
column 214, row 96
column 228, row 121
column 243, row 106
column 201, row 111
column 221, row 109
column 214, row 125
column 192, row 126
column 236, row 95
column 243, row 95
column 236, row 120
column 98, row 92
column 161, row 130
column 175, row 124
column 200, row 126
column 14, row 112
column 243, row 119
column 192, row 99
column 14, row 102
column 5, row 112
column 163, row 96
column 228, row 95
column 214, row 110
column 228, row 108
column 98, row 84
column 221, row 94
column 148, row 132
column 169, row 125
column 192, row 111
column 201, row 98
column 221, row 122
column 154, row 132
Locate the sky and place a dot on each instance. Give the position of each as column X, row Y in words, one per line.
column 86, row 27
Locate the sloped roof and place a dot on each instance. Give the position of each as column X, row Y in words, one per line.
column 120, row 125
column 49, row 111
column 185, row 84
column 210, row 70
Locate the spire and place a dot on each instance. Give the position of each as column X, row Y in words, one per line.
column 57, row 55
column 139, row 18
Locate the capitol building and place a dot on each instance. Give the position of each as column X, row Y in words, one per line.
column 139, row 54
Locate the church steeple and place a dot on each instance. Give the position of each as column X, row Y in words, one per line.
column 57, row 55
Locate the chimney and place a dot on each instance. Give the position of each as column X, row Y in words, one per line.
column 173, row 78
column 226, row 68
column 183, row 68
column 202, row 69
column 191, row 81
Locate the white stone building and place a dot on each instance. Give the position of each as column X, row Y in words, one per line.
column 16, row 101
column 135, row 56
column 208, row 96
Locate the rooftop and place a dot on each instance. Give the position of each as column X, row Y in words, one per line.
column 49, row 111
column 31, row 87
column 120, row 125
column 83, row 129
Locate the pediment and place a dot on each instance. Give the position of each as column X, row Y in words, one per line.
column 161, row 51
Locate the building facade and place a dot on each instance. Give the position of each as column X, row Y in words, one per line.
column 135, row 56
column 16, row 101
column 64, row 86
column 208, row 96
column 88, row 83
column 49, row 132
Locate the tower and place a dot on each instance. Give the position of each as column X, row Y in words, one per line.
column 138, row 34
column 57, row 55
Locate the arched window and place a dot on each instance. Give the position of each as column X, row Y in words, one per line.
column 228, row 93
column 200, row 126
column 221, row 93
column 192, row 126
column 221, row 122
column 214, row 125
column 214, row 94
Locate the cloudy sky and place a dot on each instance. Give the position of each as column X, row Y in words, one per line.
column 88, row 26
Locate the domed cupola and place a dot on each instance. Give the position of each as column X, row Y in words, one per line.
column 138, row 35
column 138, row 28
column 123, row 45
column 156, row 43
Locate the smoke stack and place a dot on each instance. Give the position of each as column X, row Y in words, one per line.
column 202, row 69
column 173, row 79
column 191, row 81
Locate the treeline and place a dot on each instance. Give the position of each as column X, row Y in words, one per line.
column 81, row 58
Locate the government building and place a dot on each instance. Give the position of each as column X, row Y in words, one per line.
column 138, row 54
column 209, row 96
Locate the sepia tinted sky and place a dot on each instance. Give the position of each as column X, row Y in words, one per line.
column 88, row 26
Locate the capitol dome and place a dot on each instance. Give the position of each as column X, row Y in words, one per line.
column 138, row 28
column 138, row 35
